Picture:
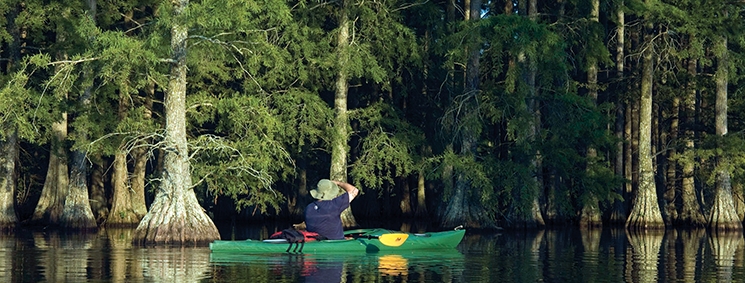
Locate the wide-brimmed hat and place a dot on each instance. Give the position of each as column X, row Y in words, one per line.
column 325, row 190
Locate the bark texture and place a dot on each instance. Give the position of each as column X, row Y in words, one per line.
column 645, row 212
column 339, row 146
column 9, row 147
column 77, row 213
column 175, row 216
column 421, row 197
column 51, row 202
column 690, row 210
column 591, row 215
column 723, row 214
column 619, row 212
column 140, row 156
column 8, row 157
column 122, row 213
column 98, row 196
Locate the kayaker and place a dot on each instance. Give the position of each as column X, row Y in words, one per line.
column 323, row 216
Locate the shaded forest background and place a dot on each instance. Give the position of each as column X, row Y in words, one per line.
column 497, row 113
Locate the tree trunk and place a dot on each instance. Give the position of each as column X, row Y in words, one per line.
column 421, row 200
column 632, row 128
column 590, row 216
column 619, row 212
column 9, row 146
column 465, row 208
column 175, row 216
column 77, row 213
column 122, row 206
column 738, row 197
column 8, row 156
column 531, row 217
column 671, row 172
column 405, row 201
column 122, row 214
column 340, row 146
column 645, row 212
column 51, row 202
column 535, row 210
column 690, row 210
column 128, row 204
column 723, row 214
column 140, row 156
column 98, row 198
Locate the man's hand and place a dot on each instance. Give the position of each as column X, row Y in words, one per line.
column 351, row 190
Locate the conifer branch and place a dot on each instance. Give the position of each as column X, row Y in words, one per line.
column 239, row 50
column 129, row 18
column 218, row 144
column 404, row 7
column 73, row 62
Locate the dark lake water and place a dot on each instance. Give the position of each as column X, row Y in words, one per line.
column 555, row 255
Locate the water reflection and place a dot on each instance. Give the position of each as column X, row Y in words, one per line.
column 426, row 266
column 686, row 249
column 568, row 255
column 70, row 248
column 723, row 249
column 645, row 255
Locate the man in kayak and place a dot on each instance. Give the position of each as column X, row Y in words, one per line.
column 323, row 216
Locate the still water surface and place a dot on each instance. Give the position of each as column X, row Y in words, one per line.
column 566, row 255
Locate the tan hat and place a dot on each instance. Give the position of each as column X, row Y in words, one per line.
column 325, row 190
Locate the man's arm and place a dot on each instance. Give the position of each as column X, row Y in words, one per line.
column 351, row 190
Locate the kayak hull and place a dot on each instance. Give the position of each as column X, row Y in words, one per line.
column 365, row 241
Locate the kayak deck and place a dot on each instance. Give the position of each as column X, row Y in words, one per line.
column 363, row 240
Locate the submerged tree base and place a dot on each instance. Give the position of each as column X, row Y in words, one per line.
column 176, row 219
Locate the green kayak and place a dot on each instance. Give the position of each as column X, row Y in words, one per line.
column 363, row 240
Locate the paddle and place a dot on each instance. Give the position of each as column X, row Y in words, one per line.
column 393, row 239
column 387, row 239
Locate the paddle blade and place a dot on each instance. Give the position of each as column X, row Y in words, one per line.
column 393, row 239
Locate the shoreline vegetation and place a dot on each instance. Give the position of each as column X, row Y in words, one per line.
column 518, row 115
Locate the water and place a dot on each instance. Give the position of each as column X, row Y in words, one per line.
column 565, row 255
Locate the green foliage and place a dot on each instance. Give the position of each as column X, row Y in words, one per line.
column 389, row 147
column 243, row 158
column 18, row 104
column 261, row 85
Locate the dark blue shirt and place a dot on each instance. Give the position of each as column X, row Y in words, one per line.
column 324, row 217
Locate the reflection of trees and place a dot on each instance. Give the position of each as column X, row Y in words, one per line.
column 723, row 248
column 527, row 245
column 64, row 256
column 120, row 243
column 174, row 264
column 670, row 254
column 6, row 256
column 591, row 245
column 645, row 246
column 691, row 244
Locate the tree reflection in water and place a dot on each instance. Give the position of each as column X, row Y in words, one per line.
column 550, row 255
column 174, row 264
column 645, row 255
column 72, row 249
column 723, row 248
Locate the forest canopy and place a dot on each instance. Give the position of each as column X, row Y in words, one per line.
column 485, row 113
